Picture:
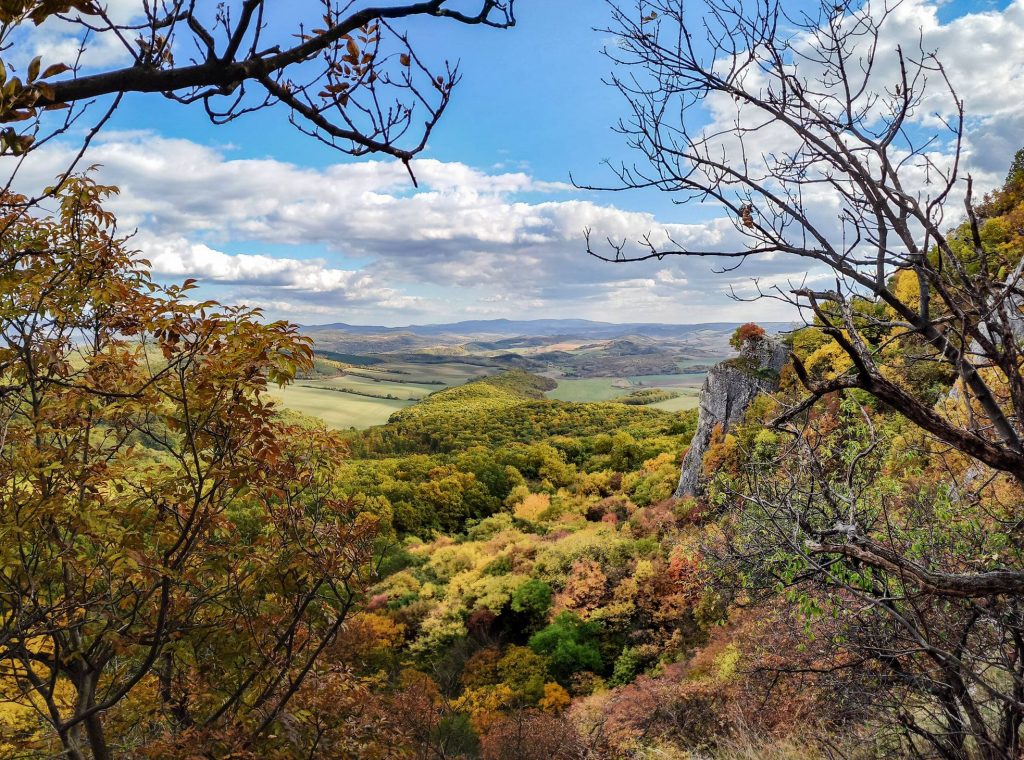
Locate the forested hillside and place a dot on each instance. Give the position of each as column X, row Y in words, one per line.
column 491, row 574
column 536, row 561
column 512, row 528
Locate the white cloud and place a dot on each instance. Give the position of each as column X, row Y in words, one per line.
column 982, row 54
column 356, row 238
column 56, row 40
column 983, row 57
column 278, row 283
column 472, row 233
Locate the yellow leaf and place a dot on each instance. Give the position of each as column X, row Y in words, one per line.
column 54, row 69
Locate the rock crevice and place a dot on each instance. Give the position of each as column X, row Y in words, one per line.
column 727, row 392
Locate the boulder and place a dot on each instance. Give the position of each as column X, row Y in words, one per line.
column 728, row 390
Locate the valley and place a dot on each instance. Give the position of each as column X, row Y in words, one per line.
column 309, row 450
column 365, row 374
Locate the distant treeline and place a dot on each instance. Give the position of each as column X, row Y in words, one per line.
column 354, row 392
column 355, row 359
column 409, row 381
column 388, row 371
column 646, row 396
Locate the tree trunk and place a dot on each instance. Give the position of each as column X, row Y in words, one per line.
column 93, row 724
column 69, row 741
column 97, row 739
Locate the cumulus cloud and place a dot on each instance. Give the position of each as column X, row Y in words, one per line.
column 281, row 284
column 981, row 54
column 467, row 235
column 355, row 238
column 57, row 40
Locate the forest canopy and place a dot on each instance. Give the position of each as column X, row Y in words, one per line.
column 188, row 569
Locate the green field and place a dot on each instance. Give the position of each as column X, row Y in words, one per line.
column 608, row 388
column 403, row 391
column 338, row 410
column 686, row 399
column 686, row 380
column 325, row 399
column 588, row 389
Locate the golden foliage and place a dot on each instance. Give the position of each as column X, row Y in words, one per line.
column 533, row 506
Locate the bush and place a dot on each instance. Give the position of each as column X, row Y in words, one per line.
column 571, row 644
column 646, row 396
column 626, row 667
column 747, row 334
column 533, row 598
column 455, row 732
column 530, row 735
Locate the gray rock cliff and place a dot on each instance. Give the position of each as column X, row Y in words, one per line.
column 727, row 392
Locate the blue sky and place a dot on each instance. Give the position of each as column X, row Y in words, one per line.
column 264, row 215
column 531, row 99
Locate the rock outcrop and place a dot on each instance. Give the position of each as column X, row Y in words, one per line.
column 728, row 389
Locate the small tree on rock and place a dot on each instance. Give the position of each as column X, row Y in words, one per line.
column 748, row 335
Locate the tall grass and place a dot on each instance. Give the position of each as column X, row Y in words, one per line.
column 749, row 745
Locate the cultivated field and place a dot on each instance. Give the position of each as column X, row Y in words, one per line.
column 338, row 410
column 608, row 388
column 353, row 397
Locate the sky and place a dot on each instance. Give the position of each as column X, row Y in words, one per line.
column 261, row 214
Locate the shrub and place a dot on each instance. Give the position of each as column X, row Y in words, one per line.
column 524, row 672
column 533, row 598
column 530, row 735
column 626, row 667
column 748, row 334
column 555, row 699
column 571, row 645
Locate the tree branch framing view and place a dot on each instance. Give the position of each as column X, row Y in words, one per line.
column 226, row 534
column 349, row 76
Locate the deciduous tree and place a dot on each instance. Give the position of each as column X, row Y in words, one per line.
column 346, row 70
column 896, row 498
column 175, row 559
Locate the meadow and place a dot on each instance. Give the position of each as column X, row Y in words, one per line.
column 356, row 396
column 337, row 410
column 609, row 388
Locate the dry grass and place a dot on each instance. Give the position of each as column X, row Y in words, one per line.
column 749, row 746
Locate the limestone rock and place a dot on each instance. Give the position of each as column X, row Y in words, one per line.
column 728, row 390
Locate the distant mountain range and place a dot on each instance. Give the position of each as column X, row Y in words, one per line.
column 583, row 328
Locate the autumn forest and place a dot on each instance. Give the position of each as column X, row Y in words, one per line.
column 232, row 530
